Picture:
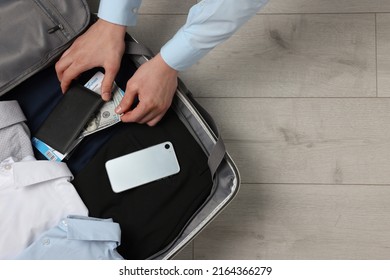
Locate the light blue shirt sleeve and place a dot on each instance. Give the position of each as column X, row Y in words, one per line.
column 209, row 23
column 77, row 238
column 122, row 12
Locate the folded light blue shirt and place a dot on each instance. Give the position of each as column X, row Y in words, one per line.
column 77, row 238
column 209, row 23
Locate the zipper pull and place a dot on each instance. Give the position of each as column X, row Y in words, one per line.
column 55, row 28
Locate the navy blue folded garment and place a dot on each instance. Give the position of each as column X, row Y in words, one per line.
column 38, row 96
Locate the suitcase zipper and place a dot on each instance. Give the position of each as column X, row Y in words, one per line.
column 55, row 28
column 54, row 19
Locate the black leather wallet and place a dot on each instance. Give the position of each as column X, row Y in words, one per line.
column 69, row 117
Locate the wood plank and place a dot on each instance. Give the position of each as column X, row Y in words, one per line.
column 300, row 222
column 281, row 56
column 306, row 140
column 186, row 253
column 155, row 30
column 328, row 6
column 292, row 56
column 383, row 54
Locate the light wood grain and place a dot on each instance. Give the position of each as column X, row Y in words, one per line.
column 383, row 56
column 300, row 222
column 186, row 253
column 313, row 140
column 280, row 56
column 155, row 30
column 327, row 6
column 292, row 56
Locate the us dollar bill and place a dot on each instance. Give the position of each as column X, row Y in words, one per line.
column 106, row 116
column 102, row 119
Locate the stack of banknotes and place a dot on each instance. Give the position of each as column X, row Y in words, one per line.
column 104, row 118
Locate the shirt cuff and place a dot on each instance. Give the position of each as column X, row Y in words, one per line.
column 179, row 54
column 119, row 11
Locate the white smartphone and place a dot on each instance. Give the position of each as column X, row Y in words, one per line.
column 143, row 166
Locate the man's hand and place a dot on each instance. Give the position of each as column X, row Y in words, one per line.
column 102, row 45
column 154, row 83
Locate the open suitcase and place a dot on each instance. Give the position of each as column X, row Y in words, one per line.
column 223, row 170
column 198, row 122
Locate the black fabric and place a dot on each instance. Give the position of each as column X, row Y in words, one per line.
column 150, row 216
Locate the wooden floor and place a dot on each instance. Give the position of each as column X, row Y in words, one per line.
column 301, row 96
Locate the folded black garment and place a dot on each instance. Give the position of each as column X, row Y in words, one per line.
column 64, row 124
column 153, row 215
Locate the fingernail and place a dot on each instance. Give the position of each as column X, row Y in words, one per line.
column 106, row 95
column 118, row 110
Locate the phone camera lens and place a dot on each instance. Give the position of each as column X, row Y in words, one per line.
column 167, row 146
